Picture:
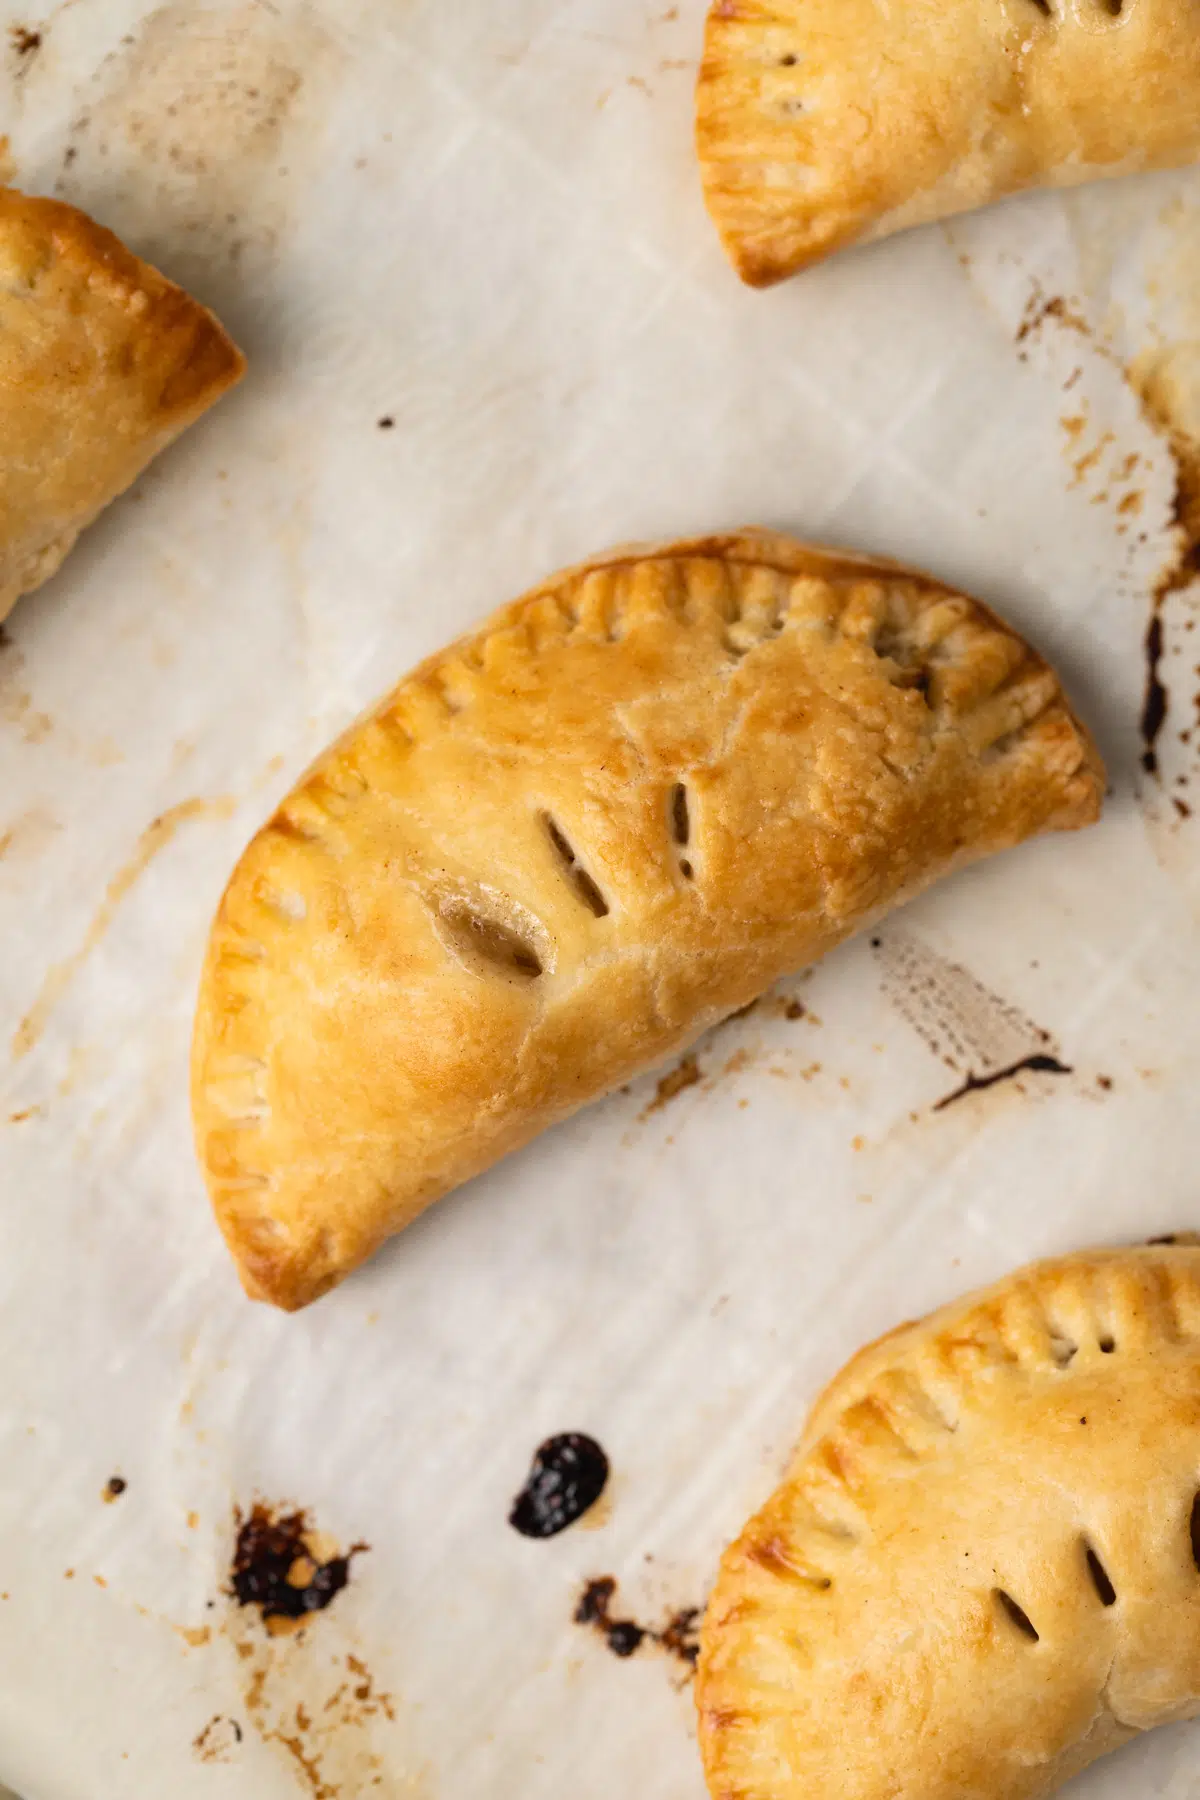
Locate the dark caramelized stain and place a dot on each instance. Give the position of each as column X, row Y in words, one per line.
column 24, row 40
column 114, row 1487
column 594, row 1607
column 679, row 1637
column 1031, row 1065
column 1154, row 706
column 276, row 1569
column 568, row 1476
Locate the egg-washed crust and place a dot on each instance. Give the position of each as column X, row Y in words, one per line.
column 565, row 846
column 820, row 125
column 981, row 1571
column 102, row 362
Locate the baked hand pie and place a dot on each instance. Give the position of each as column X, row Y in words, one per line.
column 567, row 845
column 821, row 125
column 102, row 362
column 982, row 1570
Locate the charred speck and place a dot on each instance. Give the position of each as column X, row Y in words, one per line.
column 114, row 1487
column 568, row 1476
column 624, row 1637
column 1154, row 706
column 681, row 1635
column 387, row 423
column 274, row 1567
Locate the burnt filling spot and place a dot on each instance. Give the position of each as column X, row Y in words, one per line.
column 274, row 1567
column 1156, row 702
column 568, row 1476
column 622, row 1636
column 679, row 1637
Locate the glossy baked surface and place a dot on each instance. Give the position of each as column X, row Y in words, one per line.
column 981, row 1571
column 568, row 844
column 102, row 362
column 821, row 124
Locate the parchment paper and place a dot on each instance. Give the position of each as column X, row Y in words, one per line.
column 491, row 332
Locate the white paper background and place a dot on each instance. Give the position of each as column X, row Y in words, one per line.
column 483, row 222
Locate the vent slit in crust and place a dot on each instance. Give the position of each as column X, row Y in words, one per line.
column 587, row 889
column 1016, row 1614
column 455, row 974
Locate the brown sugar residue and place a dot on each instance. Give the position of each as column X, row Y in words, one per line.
column 285, row 1569
column 329, row 1720
column 113, row 1488
column 1041, row 307
column 1090, row 459
column 218, row 1741
column 686, row 1074
column 155, row 838
column 25, row 40
column 679, row 1637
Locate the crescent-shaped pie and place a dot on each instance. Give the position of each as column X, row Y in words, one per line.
column 568, row 844
column 982, row 1570
column 102, row 362
column 821, row 123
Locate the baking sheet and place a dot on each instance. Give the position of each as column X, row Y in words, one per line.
column 491, row 332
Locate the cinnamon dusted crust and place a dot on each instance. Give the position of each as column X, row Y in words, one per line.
column 102, row 362
column 568, row 844
column 983, row 1568
column 821, row 124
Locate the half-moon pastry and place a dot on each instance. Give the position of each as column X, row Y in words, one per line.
column 565, row 846
column 102, row 362
column 982, row 1570
column 821, row 125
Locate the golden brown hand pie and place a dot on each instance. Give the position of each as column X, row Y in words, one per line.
column 824, row 122
column 568, row 844
column 102, row 363
column 981, row 1571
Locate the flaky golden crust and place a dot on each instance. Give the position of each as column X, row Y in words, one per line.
column 822, row 124
column 981, row 1571
column 102, row 363
column 566, row 845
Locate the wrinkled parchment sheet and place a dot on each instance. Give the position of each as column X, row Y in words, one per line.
column 482, row 223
